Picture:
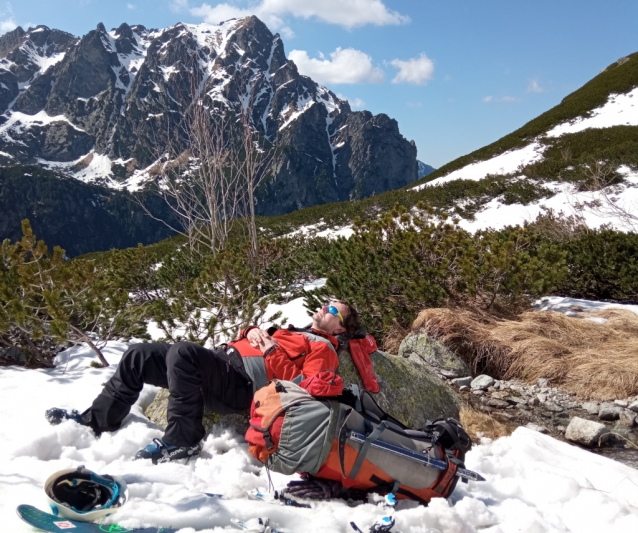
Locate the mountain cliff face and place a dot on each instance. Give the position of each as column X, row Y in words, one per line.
column 93, row 107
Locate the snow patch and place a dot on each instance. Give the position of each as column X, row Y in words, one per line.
column 497, row 215
column 505, row 163
column 619, row 110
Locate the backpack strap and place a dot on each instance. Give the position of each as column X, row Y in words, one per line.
column 374, row 435
column 313, row 337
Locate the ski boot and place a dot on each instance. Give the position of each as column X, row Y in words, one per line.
column 161, row 452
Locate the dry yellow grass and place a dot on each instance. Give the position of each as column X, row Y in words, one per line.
column 475, row 422
column 598, row 361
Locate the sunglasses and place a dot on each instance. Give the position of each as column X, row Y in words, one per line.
column 334, row 311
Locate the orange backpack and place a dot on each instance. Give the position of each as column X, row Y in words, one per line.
column 349, row 439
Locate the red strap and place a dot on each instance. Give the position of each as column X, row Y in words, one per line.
column 360, row 350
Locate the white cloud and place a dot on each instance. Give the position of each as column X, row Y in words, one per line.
column 7, row 25
column 7, row 22
column 344, row 66
column 506, row 99
column 179, row 5
column 355, row 103
column 222, row 12
column 535, row 87
column 416, row 71
column 130, row 6
column 414, row 105
column 348, row 13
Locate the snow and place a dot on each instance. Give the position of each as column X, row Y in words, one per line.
column 619, row 110
column 214, row 36
column 312, row 230
column 19, row 122
column 505, row 163
column 573, row 306
column 534, row 482
column 98, row 168
column 497, row 215
column 290, row 114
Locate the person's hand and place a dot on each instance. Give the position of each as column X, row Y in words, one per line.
column 260, row 339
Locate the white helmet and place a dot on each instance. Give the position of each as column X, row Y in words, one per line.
column 79, row 494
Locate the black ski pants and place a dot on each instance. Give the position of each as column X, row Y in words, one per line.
column 195, row 377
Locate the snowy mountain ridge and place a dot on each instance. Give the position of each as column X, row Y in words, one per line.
column 91, row 107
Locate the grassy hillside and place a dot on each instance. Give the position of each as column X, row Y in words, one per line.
column 618, row 78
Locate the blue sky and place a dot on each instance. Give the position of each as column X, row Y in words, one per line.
column 455, row 74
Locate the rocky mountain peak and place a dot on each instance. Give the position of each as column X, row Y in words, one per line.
column 91, row 106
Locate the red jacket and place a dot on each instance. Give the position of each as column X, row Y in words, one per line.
column 299, row 355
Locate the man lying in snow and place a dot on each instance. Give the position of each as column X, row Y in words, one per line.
column 222, row 380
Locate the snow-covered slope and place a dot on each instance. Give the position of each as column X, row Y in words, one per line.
column 534, row 482
column 563, row 158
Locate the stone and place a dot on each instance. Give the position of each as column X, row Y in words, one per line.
column 482, row 382
column 561, row 429
column 627, row 418
column 516, row 400
column 591, row 407
column 433, row 353
column 586, row 432
column 542, row 397
column 570, row 405
column 464, row 388
column 534, row 402
column 610, row 412
column 460, row 382
column 542, row 382
column 621, row 403
column 496, row 403
column 551, row 406
column 537, row 427
column 478, row 392
column 634, row 406
column 409, row 390
column 500, row 395
column 156, row 412
column 449, row 374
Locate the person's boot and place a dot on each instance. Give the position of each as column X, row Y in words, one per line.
column 56, row 416
column 159, row 451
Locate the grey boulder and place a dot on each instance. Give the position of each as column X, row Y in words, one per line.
column 462, row 382
column 433, row 353
column 586, row 432
column 482, row 382
column 610, row 412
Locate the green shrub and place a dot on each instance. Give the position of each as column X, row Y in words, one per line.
column 603, row 265
column 393, row 268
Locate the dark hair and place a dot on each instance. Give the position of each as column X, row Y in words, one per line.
column 352, row 321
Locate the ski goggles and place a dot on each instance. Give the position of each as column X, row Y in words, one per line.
column 334, row 311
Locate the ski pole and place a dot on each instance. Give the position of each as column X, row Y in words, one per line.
column 414, row 456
